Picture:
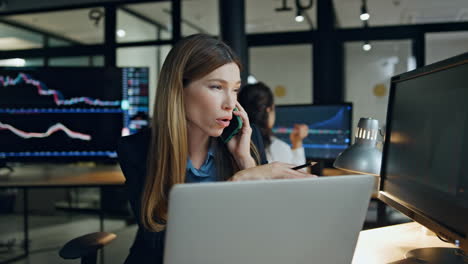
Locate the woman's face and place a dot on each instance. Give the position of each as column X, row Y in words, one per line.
column 271, row 116
column 209, row 101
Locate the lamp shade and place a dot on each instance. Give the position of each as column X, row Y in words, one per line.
column 363, row 156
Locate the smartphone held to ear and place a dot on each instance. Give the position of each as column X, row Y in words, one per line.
column 234, row 127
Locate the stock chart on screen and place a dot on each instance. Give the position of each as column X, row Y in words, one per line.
column 329, row 127
column 69, row 113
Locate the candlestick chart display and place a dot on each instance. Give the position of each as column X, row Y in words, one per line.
column 69, row 113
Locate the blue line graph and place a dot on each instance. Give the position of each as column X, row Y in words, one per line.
column 59, row 111
column 111, row 154
column 325, row 146
column 335, row 121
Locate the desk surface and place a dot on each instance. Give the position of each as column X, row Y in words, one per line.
column 63, row 176
column 390, row 244
column 338, row 172
column 59, row 176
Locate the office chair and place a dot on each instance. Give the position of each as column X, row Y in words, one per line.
column 86, row 247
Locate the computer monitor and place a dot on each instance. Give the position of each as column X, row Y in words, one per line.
column 329, row 127
column 68, row 114
column 426, row 150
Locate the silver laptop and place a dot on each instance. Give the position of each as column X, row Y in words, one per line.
column 267, row 222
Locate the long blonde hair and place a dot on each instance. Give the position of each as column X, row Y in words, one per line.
column 190, row 59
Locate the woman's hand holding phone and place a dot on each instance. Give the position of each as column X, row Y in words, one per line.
column 275, row 170
column 299, row 132
column 239, row 145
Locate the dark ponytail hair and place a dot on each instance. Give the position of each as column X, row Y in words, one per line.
column 256, row 98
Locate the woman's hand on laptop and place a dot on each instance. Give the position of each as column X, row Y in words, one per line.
column 275, row 170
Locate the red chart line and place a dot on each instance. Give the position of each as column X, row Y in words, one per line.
column 55, row 128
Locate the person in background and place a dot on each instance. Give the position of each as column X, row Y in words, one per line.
column 258, row 101
column 195, row 100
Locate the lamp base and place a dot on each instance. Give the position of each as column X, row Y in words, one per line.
column 438, row 255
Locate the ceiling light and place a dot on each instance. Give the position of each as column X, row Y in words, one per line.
column 299, row 16
column 121, row 33
column 13, row 62
column 367, row 46
column 96, row 14
column 364, row 14
column 251, row 79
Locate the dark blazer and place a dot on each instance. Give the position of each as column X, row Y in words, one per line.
column 148, row 246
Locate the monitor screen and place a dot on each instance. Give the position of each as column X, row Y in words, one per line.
column 69, row 113
column 426, row 147
column 329, row 127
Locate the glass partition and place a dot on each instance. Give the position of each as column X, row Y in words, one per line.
column 144, row 22
column 286, row 69
column 437, row 45
column 400, row 12
column 368, row 73
column 267, row 16
column 14, row 38
column 81, row 26
column 200, row 17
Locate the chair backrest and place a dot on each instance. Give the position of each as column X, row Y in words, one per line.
column 86, row 246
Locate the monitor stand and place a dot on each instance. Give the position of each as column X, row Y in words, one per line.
column 438, row 255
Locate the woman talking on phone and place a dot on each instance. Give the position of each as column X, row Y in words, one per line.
column 196, row 98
